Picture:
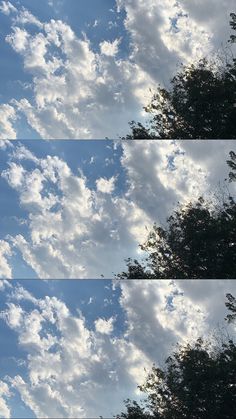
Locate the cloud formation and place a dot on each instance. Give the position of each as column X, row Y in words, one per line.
column 4, row 394
column 72, row 369
column 79, row 91
column 7, row 116
column 75, row 228
column 5, row 252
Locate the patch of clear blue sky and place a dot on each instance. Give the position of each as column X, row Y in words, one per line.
column 78, row 155
column 76, row 295
column 81, row 16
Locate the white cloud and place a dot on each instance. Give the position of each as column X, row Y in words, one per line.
column 72, row 370
column 25, row 17
column 211, row 15
column 106, row 185
column 157, row 47
column 13, row 316
column 15, row 176
column 4, row 283
column 110, row 48
column 7, row 8
column 5, row 144
column 7, row 117
column 177, row 311
column 4, row 393
column 5, row 253
column 71, row 226
column 18, row 39
column 155, row 184
column 20, row 152
column 104, row 326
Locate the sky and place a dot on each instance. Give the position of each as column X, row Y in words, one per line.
column 77, row 349
column 78, row 209
column 84, row 69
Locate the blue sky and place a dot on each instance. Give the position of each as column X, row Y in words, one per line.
column 78, row 209
column 84, row 69
column 69, row 346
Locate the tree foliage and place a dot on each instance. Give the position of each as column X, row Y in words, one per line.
column 232, row 164
column 197, row 242
column 134, row 411
column 198, row 381
column 200, row 103
column 233, row 26
column 231, row 305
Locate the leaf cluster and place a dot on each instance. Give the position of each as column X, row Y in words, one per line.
column 197, row 242
column 196, row 382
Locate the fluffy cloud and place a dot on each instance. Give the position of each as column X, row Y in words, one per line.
column 4, row 393
column 5, row 253
column 4, row 283
column 163, row 35
column 104, row 326
column 106, row 185
column 75, row 88
column 73, row 369
column 5, row 144
column 177, row 311
column 71, row 226
column 6, row 8
column 212, row 15
column 160, row 173
column 110, row 48
column 75, row 230
column 7, row 117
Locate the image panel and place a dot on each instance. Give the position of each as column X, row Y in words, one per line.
column 128, row 209
column 74, row 69
column 78, row 349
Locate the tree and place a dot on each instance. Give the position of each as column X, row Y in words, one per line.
column 134, row 411
column 197, row 242
column 200, row 103
column 198, row 381
column 233, row 26
column 231, row 305
column 232, row 164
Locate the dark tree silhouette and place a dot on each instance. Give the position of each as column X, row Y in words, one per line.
column 200, row 103
column 233, row 26
column 134, row 411
column 197, row 242
column 231, row 305
column 198, row 381
column 232, row 164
